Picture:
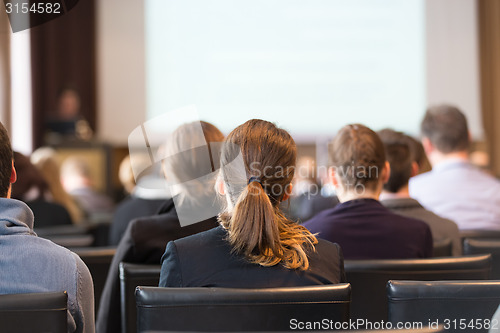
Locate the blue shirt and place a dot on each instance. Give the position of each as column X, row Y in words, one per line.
column 365, row 229
column 457, row 190
column 30, row 264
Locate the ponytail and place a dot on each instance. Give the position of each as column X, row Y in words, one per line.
column 260, row 232
column 256, row 227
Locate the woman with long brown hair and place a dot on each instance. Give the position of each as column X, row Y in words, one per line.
column 256, row 245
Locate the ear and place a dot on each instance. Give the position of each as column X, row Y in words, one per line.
column 428, row 146
column 13, row 174
column 386, row 172
column 219, row 186
column 288, row 192
column 414, row 169
column 332, row 176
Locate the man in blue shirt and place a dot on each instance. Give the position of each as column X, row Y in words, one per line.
column 455, row 189
column 30, row 264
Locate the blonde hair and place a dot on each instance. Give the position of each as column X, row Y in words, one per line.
column 257, row 229
column 45, row 160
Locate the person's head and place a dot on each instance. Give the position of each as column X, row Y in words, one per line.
column 359, row 167
column 254, row 189
column 68, row 104
column 399, row 155
column 444, row 129
column 76, row 173
column 190, row 156
column 31, row 184
column 8, row 173
column 419, row 156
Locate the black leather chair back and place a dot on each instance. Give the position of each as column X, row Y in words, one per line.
column 442, row 248
column 40, row 312
column 233, row 310
column 98, row 261
column 131, row 276
column 479, row 234
column 368, row 278
column 461, row 306
column 483, row 246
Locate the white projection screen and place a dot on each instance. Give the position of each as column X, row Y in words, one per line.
column 310, row 66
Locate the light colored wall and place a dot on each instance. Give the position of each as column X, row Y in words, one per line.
column 4, row 69
column 121, row 91
column 453, row 58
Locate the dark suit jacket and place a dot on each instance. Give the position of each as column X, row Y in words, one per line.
column 129, row 209
column 206, row 260
column 48, row 214
column 144, row 242
column 367, row 230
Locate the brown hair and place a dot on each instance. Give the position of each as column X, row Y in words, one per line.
column 399, row 155
column 188, row 158
column 419, row 156
column 446, row 127
column 45, row 160
column 6, row 156
column 257, row 229
column 358, row 155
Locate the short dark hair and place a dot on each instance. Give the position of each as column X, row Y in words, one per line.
column 399, row 154
column 446, row 127
column 358, row 154
column 6, row 156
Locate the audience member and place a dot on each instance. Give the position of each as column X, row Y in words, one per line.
column 30, row 264
column 419, row 156
column 143, row 197
column 455, row 189
column 67, row 122
column 306, row 199
column 395, row 195
column 77, row 180
column 45, row 160
column 360, row 224
column 34, row 191
column 145, row 238
column 256, row 245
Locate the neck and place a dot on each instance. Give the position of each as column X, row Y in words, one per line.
column 402, row 193
column 438, row 157
column 344, row 196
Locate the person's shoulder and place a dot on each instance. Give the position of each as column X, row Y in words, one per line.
column 319, row 218
column 325, row 247
column 421, row 180
column 203, row 238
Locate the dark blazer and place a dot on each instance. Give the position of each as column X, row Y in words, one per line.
column 48, row 214
column 367, row 230
column 206, row 260
column 131, row 208
column 144, row 242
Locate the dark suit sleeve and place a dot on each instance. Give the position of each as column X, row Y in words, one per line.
column 170, row 275
column 429, row 245
column 343, row 277
column 109, row 316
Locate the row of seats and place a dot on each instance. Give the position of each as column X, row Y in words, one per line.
column 454, row 306
column 368, row 279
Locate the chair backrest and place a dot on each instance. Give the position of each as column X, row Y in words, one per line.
column 482, row 234
column 368, row 278
column 442, row 248
column 461, row 306
column 40, row 312
column 483, row 246
column 232, row 310
column 98, row 260
column 131, row 276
